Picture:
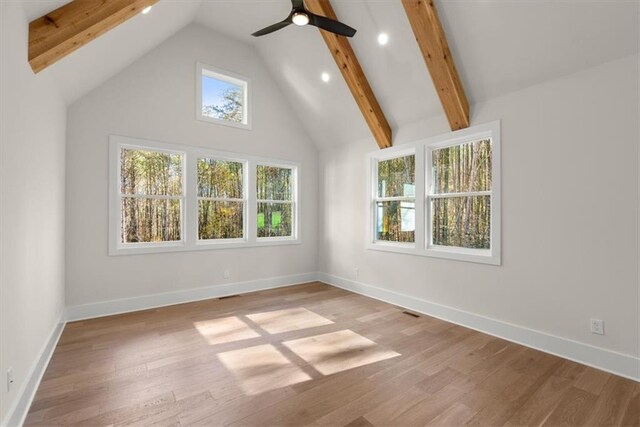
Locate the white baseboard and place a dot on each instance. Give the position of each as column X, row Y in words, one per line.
column 620, row 364
column 108, row 308
column 18, row 411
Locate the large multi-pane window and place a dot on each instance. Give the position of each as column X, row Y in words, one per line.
column 167, row 197
column 275, row 191
column 220, row 199
column 151, row 195
column 442, row 199
column 395, row 201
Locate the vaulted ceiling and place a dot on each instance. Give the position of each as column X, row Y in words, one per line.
column 499, row 47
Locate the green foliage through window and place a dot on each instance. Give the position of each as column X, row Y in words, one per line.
column 274, row 187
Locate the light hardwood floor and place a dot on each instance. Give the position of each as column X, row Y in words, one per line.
column 313, row 355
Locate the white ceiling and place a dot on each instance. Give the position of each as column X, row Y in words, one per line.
column 499, row 47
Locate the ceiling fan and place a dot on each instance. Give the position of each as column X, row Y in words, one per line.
column 301, row 16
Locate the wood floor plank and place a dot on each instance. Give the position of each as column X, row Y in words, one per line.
column 613, row 399
column 312, row 354
column 573, row 410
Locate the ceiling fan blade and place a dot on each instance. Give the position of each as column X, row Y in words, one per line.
column 272, row 28
column 331, row 25
column 297, row 4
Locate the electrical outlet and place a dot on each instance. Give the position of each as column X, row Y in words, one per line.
column 597, row 326
column 226, row 274
column 356, row 272
column 9, row 379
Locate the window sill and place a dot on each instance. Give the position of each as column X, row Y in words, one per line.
column 477, row 256
column 200, row 246
column 237, row 125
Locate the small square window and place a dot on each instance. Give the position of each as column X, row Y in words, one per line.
column 223, row 97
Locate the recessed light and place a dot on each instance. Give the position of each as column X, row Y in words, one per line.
column 146, row 10
column 325, row 77
column 383, row 39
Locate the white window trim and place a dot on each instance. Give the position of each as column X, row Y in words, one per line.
column 423, row 149
column 189, row 212
column 230, row 77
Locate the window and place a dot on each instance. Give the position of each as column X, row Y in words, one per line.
column 151, row 196
column 275, row 201
column 460, row 195
column 440, row 197
column 166, row 197
column 395, row 199
column 223, row 97
column 221, row 202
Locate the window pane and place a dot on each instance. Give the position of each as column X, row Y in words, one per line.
column 396, row 221
column 220, row 220
column 151, row 173
column 462, row 168
column 274, row 183
column 396, row 177
column 222, row 100
column 462, row 222
column 220, row 179
column 150, row 220
column 275, row 219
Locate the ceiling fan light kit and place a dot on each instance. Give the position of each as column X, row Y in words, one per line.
column 301, row 17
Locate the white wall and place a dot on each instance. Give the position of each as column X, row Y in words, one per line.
column 32, row 139
column 569, row 212
column 154, row 99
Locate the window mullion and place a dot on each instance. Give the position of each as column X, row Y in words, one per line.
column 191, row 195
column 151, row 196
column 419, row 199
column 454, row 195
column 428, row 186
column 251, row 208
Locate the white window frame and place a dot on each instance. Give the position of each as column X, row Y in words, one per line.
column 423, row 236
column 230, row 77
column 388, row 155
column 293, row 202
column 189, row 211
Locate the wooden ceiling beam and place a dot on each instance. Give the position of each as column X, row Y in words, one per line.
column 432, row 41
column 58, row 33
column 353, row 74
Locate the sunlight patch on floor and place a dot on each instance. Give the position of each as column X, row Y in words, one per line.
column 291, row 319
column 224, row 330
column 262, row 368
column 338, row 351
